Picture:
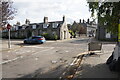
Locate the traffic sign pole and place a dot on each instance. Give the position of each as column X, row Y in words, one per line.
column 9, row 43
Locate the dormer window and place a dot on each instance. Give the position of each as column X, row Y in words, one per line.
column 45, row 25
column 54, row 25
column 33, row 26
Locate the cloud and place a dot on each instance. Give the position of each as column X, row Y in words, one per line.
column 35, row 10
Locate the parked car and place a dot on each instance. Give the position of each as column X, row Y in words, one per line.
column 35, row 39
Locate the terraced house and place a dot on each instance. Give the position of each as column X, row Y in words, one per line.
column 55, row 28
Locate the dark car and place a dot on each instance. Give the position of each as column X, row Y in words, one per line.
column 35, row 39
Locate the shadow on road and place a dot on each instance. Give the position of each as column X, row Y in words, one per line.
column 53, row 73
column 80, row 41
column 97, row 71
column 22, row 44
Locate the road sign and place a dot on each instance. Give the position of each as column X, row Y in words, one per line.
column 9, row 43
column 8, row 26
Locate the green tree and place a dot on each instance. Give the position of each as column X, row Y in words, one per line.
column 77, row 28
column 108, row 14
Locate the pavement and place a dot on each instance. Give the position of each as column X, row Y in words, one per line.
column 94, row 66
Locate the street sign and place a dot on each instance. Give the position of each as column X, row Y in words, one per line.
column 8, row 26
column 9, row 43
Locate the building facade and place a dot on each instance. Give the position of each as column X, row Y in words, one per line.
column 58, row 28
column 103, row 34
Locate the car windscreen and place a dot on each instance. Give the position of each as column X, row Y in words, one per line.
column 36, row 37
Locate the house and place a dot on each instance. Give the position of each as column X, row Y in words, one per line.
column 103, row 34
column 58, row 28
column 88, row 28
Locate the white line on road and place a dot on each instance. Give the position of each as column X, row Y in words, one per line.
column 22, row 56
column 11, row 60
column 43, row 50
column 34, row 46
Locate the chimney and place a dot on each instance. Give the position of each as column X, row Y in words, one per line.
column 88, row 21
column 27, row 21
column 45, row 19
column 83, row 21
column 80, row 20
column 63, row 18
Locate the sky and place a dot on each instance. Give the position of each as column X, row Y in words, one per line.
column 35, row 10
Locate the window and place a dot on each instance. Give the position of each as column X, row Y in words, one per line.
column 45, row 25
column 108, row 34
column 33, row 26
column 54, row 25
column 16, row 27
column 23, row 27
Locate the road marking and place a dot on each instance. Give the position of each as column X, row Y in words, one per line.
column 66, row 51
column 23, row 57
column 11, row 60
column 43, row 50
column 38, row 47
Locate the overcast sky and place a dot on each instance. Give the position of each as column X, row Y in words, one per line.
column 35, row 10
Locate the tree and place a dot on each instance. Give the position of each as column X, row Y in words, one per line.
column 6, row 12
column 18, row 23
column 78, row 28
column 108, row 14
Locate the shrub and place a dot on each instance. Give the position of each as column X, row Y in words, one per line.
column 55, row 37
column 72, row 33
column 46, row 35
column 50, row 37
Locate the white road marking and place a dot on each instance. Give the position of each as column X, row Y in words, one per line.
column 66, row 51
column 11, row 60
column 43, row 50
column 38, row 47
column 22, row 56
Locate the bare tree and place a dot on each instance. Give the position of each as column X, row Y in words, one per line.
column 7, row 12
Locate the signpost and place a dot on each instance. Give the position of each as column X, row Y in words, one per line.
column 8, row 27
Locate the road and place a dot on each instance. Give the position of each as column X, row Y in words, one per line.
column 47, row 60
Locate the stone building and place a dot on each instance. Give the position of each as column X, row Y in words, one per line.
column 58, row 28
column 103, row 34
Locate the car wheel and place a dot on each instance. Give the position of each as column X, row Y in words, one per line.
column 25, row 42
column 41, row 42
